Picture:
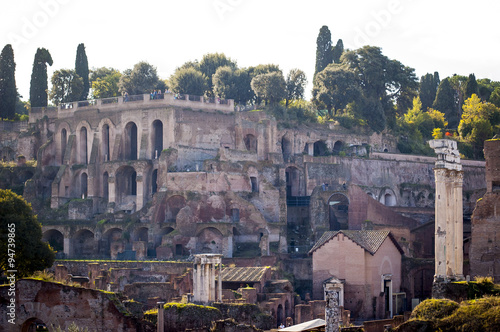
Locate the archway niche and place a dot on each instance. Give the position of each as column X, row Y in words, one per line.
column 105, row 186
column 55, row 238
column 105, row 143
column 64, row 141
column 131, row 141
column 286, row 148
column 154, row 181
column 112, row 242
column 209, row 241
column 174, row 205
column 338, row 212
column 279, row 315
column 84, row 245
column 33, row 324
column 157, row 139
column 141, row 234
column 126, row 188
column 84, row 185
column 320, row 148
column 337, row 147
column 83, row 146
column 293, row 182
column 388, row 198
column 250, row 143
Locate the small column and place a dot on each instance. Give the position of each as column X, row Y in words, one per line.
column 160, row 325
column 219, row 284
column 111, row 189
column 139, row 200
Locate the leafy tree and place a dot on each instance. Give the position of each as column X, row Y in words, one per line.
column 445, row 102
column 428, row 87
column 324, row 49
column 244, row 90
column 334, row 88
column 82, row 70
column 143, row 78
column 420, row 119
column 188, row 81
column 106, row 86
column 495, row 97
column 338, row 50
column 383, row 81
column 476, row 124
column 8, row 90
column 101, row 73
column 270, row 87
column 295, row 83
column 67, row 86
column 225, row 83
column 486, row 87
column 471, row 86
column 209, row 65
column 459, row 84
column 17, row 218
column 39, row 83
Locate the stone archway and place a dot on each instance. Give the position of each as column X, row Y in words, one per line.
column 338, row 212
column 126, row 188
column 320, row 148
column 209, row 241
column 55, row 238
column 84, row 244
column 131, row 144
column 174, row 205
column 293, row 182
column 112, row 242
column 157, row 139
column 33, row 324
column 250, row 143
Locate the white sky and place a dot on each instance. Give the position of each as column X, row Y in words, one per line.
column 450, row 37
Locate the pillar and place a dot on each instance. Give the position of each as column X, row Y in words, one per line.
column 139, row 198
column 332, row 308
column 448, row 211
column 204, row 273
column 160, row 325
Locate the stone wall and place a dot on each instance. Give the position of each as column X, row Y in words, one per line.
column 58, row 305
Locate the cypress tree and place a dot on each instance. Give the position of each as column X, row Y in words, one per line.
column 428, row 89
column 38, row 84
column 471, row 86
column 324, row 49
column 337, row 51
column 445, row 103
column 82, row 70
column 8, row 90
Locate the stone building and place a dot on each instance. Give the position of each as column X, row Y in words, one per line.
column 484, row 249
column 369, row 265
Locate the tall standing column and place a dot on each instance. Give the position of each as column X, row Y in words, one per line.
column 440, row 224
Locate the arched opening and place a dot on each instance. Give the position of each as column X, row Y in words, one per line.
column 254, row 183
column 293, row 182
column 174, row 205
column 157, row 138
column 84, row 185
column 286, row 148
column 131, row 141
column 337, row 147
column 154, row 182
column 55, row 239
column 33, row 325
column 105, row 186
column 320, row 148
column 288, row 313
column 83, row 146
column 158, row 237
column 113, row 243
column 279, row 315
column 105, row 143
column 338, row 212
column 209, row 241
column 141, row 234
column 235, row 215
column 64, row 141
column 126, row 188
column 84, row 244
column 388, row 198
column 250, row 143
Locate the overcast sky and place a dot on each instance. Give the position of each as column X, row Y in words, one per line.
column 450, row 37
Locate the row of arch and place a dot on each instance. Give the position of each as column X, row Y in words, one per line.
column 86, row 243
column 130, row 150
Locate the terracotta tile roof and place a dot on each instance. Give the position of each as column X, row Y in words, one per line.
column 243, row 274
column 368, row 240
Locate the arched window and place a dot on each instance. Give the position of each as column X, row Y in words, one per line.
column 157, row 138
column 131, row 141
column 105, row 143
column 83, row 146
column 84, row 185
column 64, row 141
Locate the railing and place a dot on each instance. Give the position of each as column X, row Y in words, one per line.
column 112, row 100
column 298, row 200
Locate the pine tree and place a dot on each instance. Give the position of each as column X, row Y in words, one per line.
column 39, row 84
column 445, row 103
column 82, row 70
column 324, row 49
column 8, row 90
column 337, row 51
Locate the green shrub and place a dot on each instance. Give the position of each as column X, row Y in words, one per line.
column 434, row 309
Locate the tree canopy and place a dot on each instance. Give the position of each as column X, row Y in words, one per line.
column 295, row 83
column 39, row 78
column 82, row 70
column 189, row 81
column 67, row 86
column 210, row 63
column 29, row 252
column 105, row 83
column 269, row 87
column 8, row 90
column 143, row 78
